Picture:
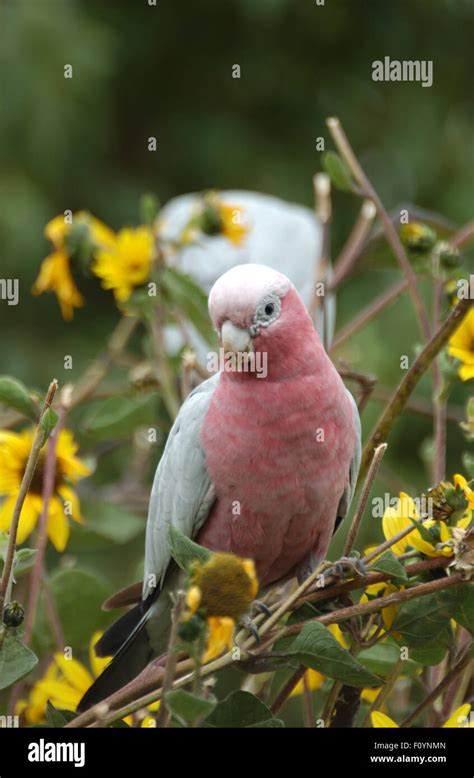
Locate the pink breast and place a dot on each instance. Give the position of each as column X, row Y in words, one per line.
column 278, row 484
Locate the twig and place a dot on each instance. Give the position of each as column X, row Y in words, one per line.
column 356, row 521
column 367, row 314
column 384, row 691
column 48, row 491
column 411, row 379
column 162, row 719
column 138, row 688
column 99, row 367
column 352, row 248
column 448, row 678
column 323, row 208
column 345, row 149
column 33, row 457
column 286, row 690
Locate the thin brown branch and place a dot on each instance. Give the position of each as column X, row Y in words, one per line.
column 352, row 248
column 359, row 513
column 38, row 442
column 377, row 305
column 411, row 379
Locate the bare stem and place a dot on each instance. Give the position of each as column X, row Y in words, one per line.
column 33, row 457
column 351, row 250
column 411, row 379
column 447, row 680
column 356, row 521
column 345, row 149
column 369, row 313
column 162, row 719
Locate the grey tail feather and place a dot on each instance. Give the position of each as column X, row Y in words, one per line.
column 131, row 658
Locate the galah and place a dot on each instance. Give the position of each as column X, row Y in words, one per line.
column 283, row 235
column 260, row 464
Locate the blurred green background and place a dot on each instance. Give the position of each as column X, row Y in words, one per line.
column 166, row 71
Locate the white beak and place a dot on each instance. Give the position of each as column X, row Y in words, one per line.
column 234, row 338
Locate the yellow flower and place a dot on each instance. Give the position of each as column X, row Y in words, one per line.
column 458, row 719
column 397, row 519
column 382, row 721
column 314, row 679
column 55, row 271
column 220, row 636
column 55, row 276
column 14, row 451
column 214, row 217
column 232, row 227
column 461, row 346
column 222, row 589
column 460, row 481
column 382, row 589
column 126, row 262
column 64, row 684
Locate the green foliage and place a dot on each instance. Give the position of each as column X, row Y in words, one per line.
column 317, row 648
column 388, row 563
column 110, row 522
column 184, row 551
column 242, row 709
column 16, row 661
column 182, row 292
column 119, row 416
column 14, row 394
column 56, row 717
column 338, row 171
column 49, row 420
column 187, row 707
column 78, row 596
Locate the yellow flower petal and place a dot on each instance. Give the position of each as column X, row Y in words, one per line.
column 459, row 718
column 77, row 676
column 58, row 526
column 220, row 637
column 380, row 720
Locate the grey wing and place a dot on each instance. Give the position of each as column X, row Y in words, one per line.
column 348, row 493
column 182, row 492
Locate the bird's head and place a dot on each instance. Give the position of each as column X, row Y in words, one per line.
column 256, row 309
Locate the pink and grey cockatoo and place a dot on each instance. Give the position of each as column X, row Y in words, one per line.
column 285, row 448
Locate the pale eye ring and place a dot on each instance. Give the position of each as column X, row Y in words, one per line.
column 267, row 311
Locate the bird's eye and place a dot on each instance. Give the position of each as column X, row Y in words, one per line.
column 269, row 308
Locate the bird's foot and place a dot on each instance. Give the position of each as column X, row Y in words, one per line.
column 258, row 606
column 344, row 567
column 332, row 572
column 246, row 622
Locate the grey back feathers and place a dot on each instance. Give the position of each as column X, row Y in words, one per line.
column 182, row 493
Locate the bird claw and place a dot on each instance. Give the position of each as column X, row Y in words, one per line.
column 346, row 564
column 246, row 623
column 260, row 607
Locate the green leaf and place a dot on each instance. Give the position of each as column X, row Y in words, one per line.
column 268, row 724
column 120, row 416
column 381, row 658
column 428, row 655
column 184, row 293
column 388, row 563
column 318, row 649
column 184, row 551
column 241, row 709
column 78, row 596
column 57, row 717
column 422, row 620
column 16, row 661
column 338, row 171
column 49, row 420
column 110, row 521
column 15, row 395
column 187, row 707
column 425, row 533
column 462, row 601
